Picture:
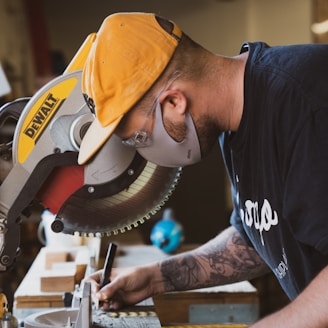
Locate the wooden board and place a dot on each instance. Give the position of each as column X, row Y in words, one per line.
column 181, row 302
column 29, row 293
column 52, row 257
column 38, row 289
column 58, row 280
column 169, row 308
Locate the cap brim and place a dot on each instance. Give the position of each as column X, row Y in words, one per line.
column 94, row 139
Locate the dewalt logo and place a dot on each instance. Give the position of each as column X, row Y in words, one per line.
column 42, row 111
column 47, row 109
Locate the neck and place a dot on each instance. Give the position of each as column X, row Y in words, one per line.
column 226, row 92
column 237, row 96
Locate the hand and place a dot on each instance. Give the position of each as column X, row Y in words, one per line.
column 128, row 286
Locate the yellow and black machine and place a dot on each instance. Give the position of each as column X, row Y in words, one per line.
column 118, row 188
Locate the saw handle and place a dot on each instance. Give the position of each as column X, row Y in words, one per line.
column 12, row 109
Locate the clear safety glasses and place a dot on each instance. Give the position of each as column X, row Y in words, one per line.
column 142, row 138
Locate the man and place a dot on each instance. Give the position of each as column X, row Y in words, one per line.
column 162, row 93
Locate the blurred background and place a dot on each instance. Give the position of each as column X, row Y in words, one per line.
column 38, row 38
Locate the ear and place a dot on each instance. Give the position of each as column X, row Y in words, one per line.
column 173, row 102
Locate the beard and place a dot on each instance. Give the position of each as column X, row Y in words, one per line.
column 207, row 133
column 177, row 131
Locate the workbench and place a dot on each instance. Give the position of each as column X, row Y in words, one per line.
column 234, row 304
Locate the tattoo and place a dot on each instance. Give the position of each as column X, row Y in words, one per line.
column 234, row 261
column 181, row 275
column 225, row 259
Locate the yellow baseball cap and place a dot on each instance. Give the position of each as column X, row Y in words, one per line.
column 129, row 53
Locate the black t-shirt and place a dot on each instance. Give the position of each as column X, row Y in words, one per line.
column 278, row 160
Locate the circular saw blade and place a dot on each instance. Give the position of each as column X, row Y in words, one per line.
column 129, row 189
column 123, row 210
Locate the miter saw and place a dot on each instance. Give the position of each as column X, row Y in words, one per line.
column 114, row 191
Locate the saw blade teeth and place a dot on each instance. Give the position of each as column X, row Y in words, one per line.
column 151, row 171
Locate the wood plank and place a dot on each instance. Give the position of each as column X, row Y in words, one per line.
column 30, row 291
column 52, row 257
column 239, row 293
column 32, row 304
column 58, row 280
column 167, row 304
column 44, row 297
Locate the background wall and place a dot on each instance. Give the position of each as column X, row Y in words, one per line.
column 280, row 21
column 220, row 25
column 15, row 54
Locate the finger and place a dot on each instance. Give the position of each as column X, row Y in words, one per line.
column 110, row 289
column 116, row 305
column 94, row 285
column 105, row 305
column 93, row 280
column 110, row 297
column 94, row 276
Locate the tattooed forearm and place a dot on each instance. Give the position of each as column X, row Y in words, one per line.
column 181, row 274
column 232, row 260
column 223, row 260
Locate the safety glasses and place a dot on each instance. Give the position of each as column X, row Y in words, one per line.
column 142, row 138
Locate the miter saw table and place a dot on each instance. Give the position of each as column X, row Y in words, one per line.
column 39, row 307
column 234, row 304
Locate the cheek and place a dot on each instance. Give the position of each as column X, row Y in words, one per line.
column 177, row 130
